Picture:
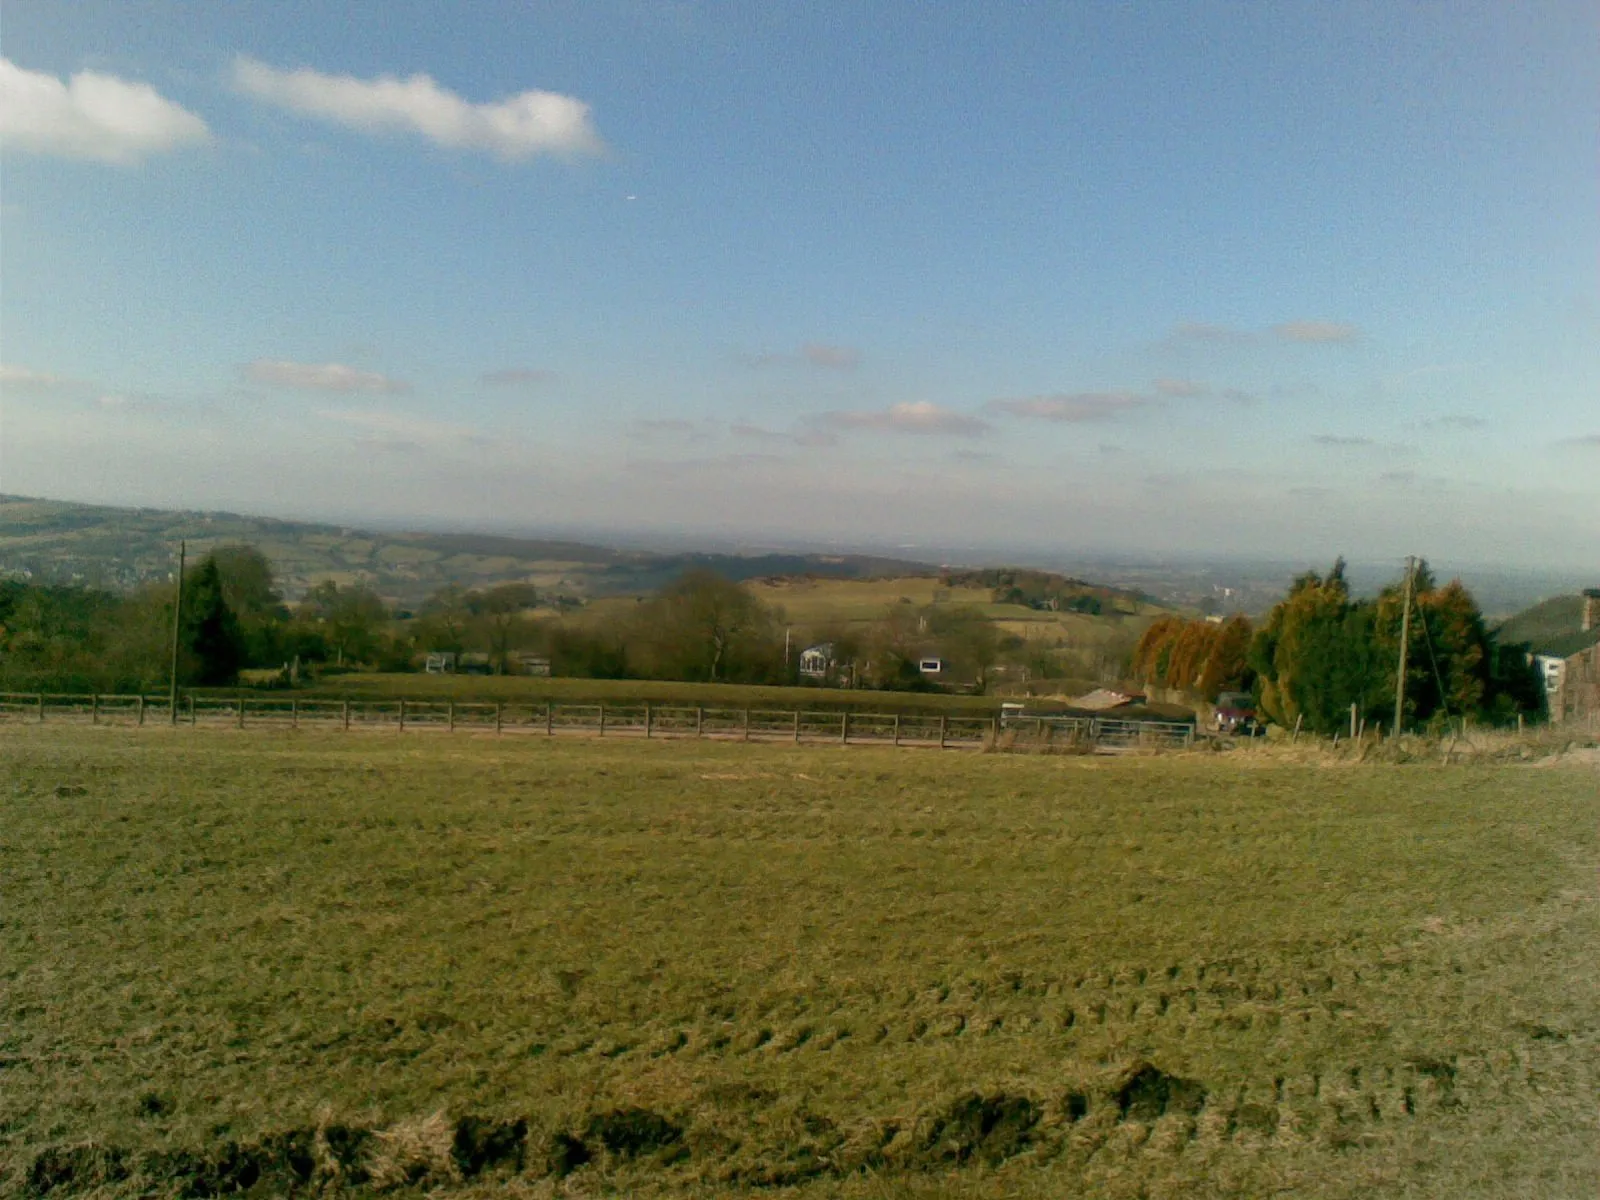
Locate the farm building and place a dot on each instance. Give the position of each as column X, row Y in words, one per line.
column 1570, row 666
column 1562, row 637
column 816, row 662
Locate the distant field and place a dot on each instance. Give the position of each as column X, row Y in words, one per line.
column 820, row 602
column 479, row 967
column 581, row 691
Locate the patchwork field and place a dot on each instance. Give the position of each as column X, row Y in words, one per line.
column 289, row 962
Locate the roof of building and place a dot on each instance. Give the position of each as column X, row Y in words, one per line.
column 1566, row 645
column 1104, row 698
column 1550, row 623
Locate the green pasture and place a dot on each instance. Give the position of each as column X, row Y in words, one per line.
column 282, row 962
column 525, row 688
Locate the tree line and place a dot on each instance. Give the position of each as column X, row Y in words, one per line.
column 1321, row 650
column 699, row 627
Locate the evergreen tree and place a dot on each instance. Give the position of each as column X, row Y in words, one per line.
column 210, row 631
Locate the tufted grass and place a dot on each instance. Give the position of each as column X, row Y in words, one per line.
column 825, row 971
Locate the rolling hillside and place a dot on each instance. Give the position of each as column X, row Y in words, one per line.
column 59, row 542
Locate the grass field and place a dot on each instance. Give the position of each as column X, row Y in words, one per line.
column 819, row 604
column 478, row 967
column 523, row 688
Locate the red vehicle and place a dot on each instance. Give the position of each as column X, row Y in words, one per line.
column 1236, row 713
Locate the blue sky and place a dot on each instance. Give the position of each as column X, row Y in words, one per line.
column 1272, row 279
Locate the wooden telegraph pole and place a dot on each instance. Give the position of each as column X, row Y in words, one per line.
column 177, row 620
column 1405, row 631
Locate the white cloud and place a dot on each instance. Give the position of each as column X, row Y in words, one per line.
column 320, row 377
column 918, row 416
column 1071, row 408
column 91, row 116
column 519, row 126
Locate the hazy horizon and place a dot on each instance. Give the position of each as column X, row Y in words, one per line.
column 1272, row 284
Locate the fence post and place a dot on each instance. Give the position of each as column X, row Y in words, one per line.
column 193, row 720
column 41, row 708
column 141, row 708
column 497, row 716
column 94, row 709
column 797, row 727
column 647, row 720
column 746, row 725
column 402, row 716
column 897, row 729
column 344, row 715
column 452, row 716
column 549, row 718
column 241, row 710
column 602, row 720
column 844, row 728
column 994, row 730
column 699, row 721
column 294, row 712
column 944, row 730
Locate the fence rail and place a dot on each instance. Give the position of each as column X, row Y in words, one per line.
column 551, row 719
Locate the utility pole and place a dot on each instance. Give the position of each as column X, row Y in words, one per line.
column 1405, row 631
column 177, row 621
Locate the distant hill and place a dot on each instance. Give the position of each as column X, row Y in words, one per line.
column 60, row 542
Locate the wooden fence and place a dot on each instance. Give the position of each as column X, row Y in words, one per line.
column 597, row 720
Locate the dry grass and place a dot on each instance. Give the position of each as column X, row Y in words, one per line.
column 477, row 967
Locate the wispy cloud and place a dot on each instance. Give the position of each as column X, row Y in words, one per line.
column 517, row 377
column 516, row 127
column 91, row 116
column 917, row 416
column 1585, row 441
column 1316, row 332
column 13, row 376
column 834, row 358
column 320, row 377
column 670, row 429
column 1304, row 332
column 401, row 431
column 1071, row 407
column 1365, row 445
column 1455, row 421
column 823, row 355
column 813, row 437
column 1181, row 389
column 1205, row 331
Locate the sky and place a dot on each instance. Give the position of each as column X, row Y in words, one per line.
column 1250, row 279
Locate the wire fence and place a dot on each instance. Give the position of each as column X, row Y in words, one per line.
column 550, row 719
